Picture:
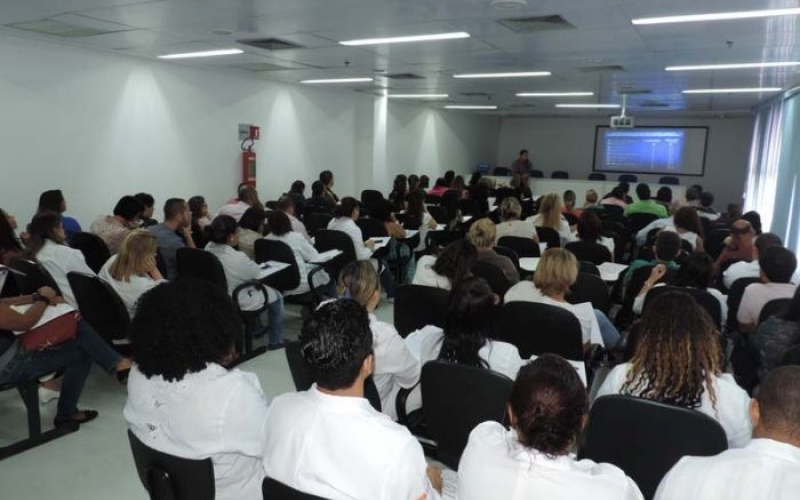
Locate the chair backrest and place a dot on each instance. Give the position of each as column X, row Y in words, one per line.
column 416, row 306
column 507, row 252
column 559, row 174
column 670, row 180
column 735, row 298
column 541, row 328
column 702, row 297
column 455, row 399
column 279, row 251
column 791, row 357
column 537, row 174
column 595, row 176
column 589, row 251
column 524, row 247
column 715, row 240
column 550, row 236
column 628, row 178
column 30, row 276
column 100, row 306
column 646, row 438
column 589, row 268
column 501, row 171
column 93, row 248
column 371, row 196
column 371, row 228
column 275, row 490
column 199, row 264
column 329, row 239
column 167, row 477
column 571, row 219
column 612, row 209
column 638, row 221
column 316, row 221
column 590, row 288
column 494, row 276
column 776, row 307
column 438, row 213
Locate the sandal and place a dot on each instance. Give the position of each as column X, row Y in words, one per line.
column 81, row 417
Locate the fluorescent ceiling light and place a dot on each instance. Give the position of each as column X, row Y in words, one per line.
column 518, row 74
column 720, row 16
column 733, row 91
column 554, row 94
column 733, row 66
column 407, row 39
column 418, row 96
column 339, row 80
column 598, row 106
column 207, row 53
column 469, row 106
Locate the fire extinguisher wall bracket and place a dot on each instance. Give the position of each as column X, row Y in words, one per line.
column 247, row 144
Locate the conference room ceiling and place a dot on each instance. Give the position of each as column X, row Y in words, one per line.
column 601, row 52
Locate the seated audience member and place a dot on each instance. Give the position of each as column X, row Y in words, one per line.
column 319, row 203
column 346, row 215
column 174, row 233
column 511, row 225
column 222, row 240
column 418, row 218
column 47, row 246
column 287, row 205
column 451, row 266
column 308, row 433
column 697, row 272
column 754, row 218
column 247, row 197
column 449, row 178
column 10, row 246
column 615, row 197
column 133, row 271
column 626, row 189
column 74, row 356
column 777, row 265
column 182, row 399
column 460, row 187
column 642, row 235
column 590, row 200
column 550, row 216
column 479, row 192
column 547, row 410
column 148, row 202
column 326, row 177
column 112, row 229
column 251, row 229
column 424, row 181
column 767, row 468
column 397, row 197
column 590, row 230
column 678, row 360
column 304, row 253
column 53, row 201
column 439, row 188
column 645, row 205
column 200, row 219
column 519, row 187
column 569, row 204
column 556, row 272
column 741, row 240
column 777, row 335
column 397, row 252
column 693, row 194
column 395, row 367
column 705, row 209
column 297, row 195
column 413, row 183
column 733, row 212
column 686, row 223
column 482, row 235
column 666, row 250
column 664, row 197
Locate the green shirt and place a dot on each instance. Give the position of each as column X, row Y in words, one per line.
column 636, row 264
column 646, row 207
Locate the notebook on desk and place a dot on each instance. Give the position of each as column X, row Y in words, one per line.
column 327, row 256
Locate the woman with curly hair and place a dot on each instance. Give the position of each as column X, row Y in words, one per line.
column 182, row 399
column 678, row 360
column 453, row 264
column 547, row 410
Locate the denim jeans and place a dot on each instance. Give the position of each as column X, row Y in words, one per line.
column 387, row 281
column 74, row 356
column 607, row 330
column 272, row 317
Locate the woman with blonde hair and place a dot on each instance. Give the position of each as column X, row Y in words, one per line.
column 550, row 216
column 511, row 225
column 133, row 270
column 395, row 366
column 482, row 234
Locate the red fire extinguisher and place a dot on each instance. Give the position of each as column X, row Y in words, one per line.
column 249, row 157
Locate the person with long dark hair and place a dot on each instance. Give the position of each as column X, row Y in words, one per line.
column 113, row 228
column 326, row 177
column 590, row 229
column 418, row 218
column 678, row 360
column 399, row 193
column 687, row 224
column 54, row 201
column 10, row 247
column 547, row 410
column 450, row 267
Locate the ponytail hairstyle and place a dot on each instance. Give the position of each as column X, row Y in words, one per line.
column 221, row 228
column 346, row 207
column 468, row 324
column 43, row 227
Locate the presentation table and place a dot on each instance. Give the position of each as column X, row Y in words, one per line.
column 542, row 186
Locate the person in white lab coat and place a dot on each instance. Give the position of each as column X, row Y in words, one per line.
column 547, row 410
column 182, row 399
column 766, row 469
column 678, row 360
column 328, row 441
column 395, row 367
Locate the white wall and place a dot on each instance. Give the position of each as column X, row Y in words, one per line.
column 568, row 144
column 99, row 126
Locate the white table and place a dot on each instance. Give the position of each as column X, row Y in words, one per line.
column 543, row 186
column 609, row 271
column 271, row 267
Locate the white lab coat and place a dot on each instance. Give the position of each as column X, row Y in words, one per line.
column 128, row 291
column 59, row 260
column 349, row 227
column 395, row 365
column 239, row 269
column 304, row 253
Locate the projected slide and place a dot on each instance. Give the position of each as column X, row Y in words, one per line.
column 651, row 150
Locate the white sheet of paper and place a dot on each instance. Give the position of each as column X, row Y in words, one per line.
column 328, row 256
column 542, row 247
column 441, row 227
column 381, row 242
column 271, row 267
column 610, row 271
column 410, row 233
column 529, row 263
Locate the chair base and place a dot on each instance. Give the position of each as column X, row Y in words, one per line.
column 33, row 442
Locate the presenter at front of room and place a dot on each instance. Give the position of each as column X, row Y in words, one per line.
column 522, row 166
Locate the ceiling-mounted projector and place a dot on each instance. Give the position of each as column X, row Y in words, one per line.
column 622, row 121
column 509, row 4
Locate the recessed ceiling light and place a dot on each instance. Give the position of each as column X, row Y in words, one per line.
column 597, row 106
column 732, row 66
column 469, row 106
column 418, row 96
column 733, row 91
column 338, row 80
column 507, row 5
column 407, row 39
column 207, row 53
column 554, row 94
column 720, row 16
column 517, row 74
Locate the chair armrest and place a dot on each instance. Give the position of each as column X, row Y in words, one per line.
column 248, row 284
column 315, row 296
column 400, row 404
column 599, row 376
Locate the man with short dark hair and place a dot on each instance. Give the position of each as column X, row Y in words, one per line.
column 742, row 238
column 693, row 195
column 705, row 209
column 522, row 166
column 328, row 441
column 287, row 205
column 112, row 229
column 319, row 203
column 148, row 202
column 645, row 205
column 777, row 264
column 174, row 233
column 768, row 468
column 667, row 248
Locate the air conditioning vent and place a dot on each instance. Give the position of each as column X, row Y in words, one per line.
column 270, row 44
column 476, row 94
column 61, row 29
column 536, row 24
column 403, row 76
column 608, row 68
column 653, row 104
column 262, row 66
column 633, row 91
column 522, row 106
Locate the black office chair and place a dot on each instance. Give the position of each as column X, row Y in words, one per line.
column 629, row 178
column 30, row 276
column 455, row 399
column 571, row 219
column 510, row 254
column 638, row 221
column 537, row 174
column 594, row 176
column 559, row 174
column 168, row 477
column 371, row 228
column 494, row 276
column 590, row 288
column 588, row 268
column 438, row 213
column 371, row 197
column 635, row 285
column 646, row 438
column 550, row 236
column 714, row 242
column 416, row 306
column 611, row 210
column 735, row 299
column 100, row 306
column 289, row 278
column 94, row 249
column 702, row 297
column 275, row 490
column 316, row 221
column 523, row 247
column 669, row 180
column 775, row 307
column 501, row 172
column 589, row 251
column 791, row 357
column 540, row 328
column 329, row 239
